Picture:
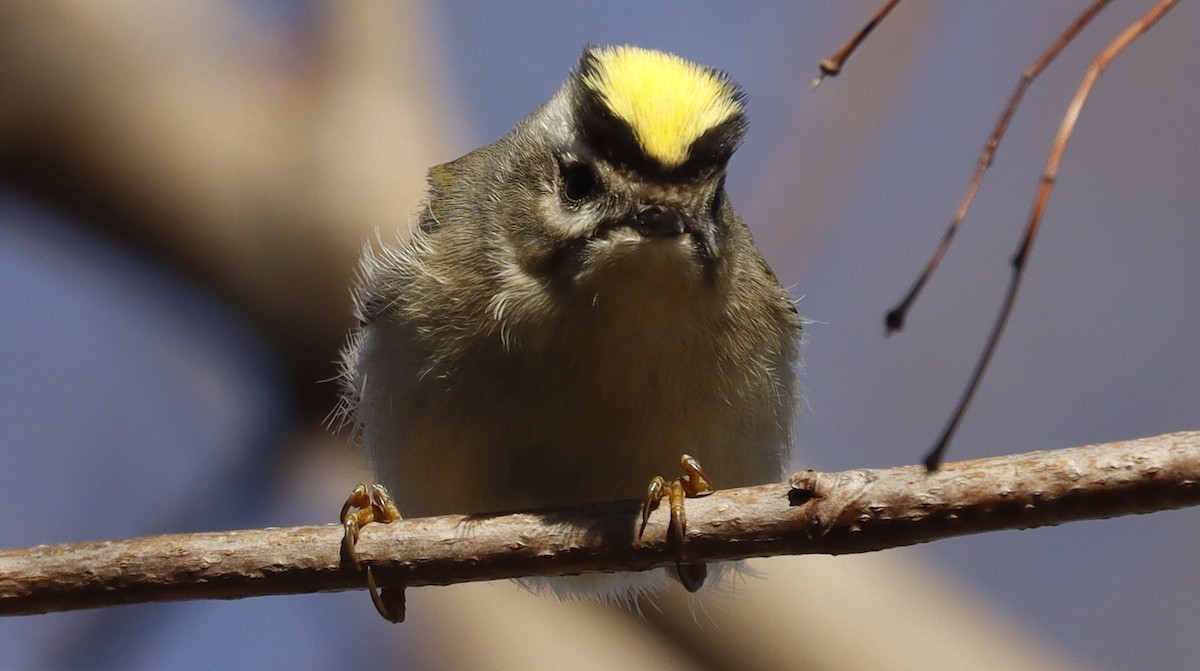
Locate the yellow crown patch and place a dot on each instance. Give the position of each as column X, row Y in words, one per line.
column 668, row 102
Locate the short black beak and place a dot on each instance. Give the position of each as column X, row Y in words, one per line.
column 658, row 221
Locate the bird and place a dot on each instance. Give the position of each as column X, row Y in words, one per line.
column 578, row 309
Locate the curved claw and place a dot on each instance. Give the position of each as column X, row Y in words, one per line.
column 676, row 496
column 364, row 506
column 654, row 493
column 349, row 542
column 389, row 601
column 691, row 575
column 693, row 483
column 355, row 513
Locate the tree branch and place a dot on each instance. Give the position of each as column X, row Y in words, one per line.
column 816, row 513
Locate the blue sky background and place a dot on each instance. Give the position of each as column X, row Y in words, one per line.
column 125, row 387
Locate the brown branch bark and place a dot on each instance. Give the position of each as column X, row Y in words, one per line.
column 815, row 513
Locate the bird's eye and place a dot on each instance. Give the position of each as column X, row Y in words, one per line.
column 579, row 182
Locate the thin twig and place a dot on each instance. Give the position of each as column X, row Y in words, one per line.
column 894, row 321
column 825, row 513
column 830, row 67
column 1049, row 176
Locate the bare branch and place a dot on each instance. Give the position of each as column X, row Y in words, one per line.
column 832, row 66
column 1045, row 187
column 894, row 320
column 816, row 513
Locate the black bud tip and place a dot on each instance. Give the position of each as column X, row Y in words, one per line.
column 933, row 462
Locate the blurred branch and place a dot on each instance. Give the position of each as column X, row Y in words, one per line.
column 816, row 513
column 253, row 159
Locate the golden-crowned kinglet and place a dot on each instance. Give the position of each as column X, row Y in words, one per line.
column 577, row 306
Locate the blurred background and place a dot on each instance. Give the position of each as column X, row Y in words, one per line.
column 184, row 188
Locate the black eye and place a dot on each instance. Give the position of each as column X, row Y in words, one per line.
column 579, row 182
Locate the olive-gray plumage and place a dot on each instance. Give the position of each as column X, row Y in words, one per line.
column 563, row 323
